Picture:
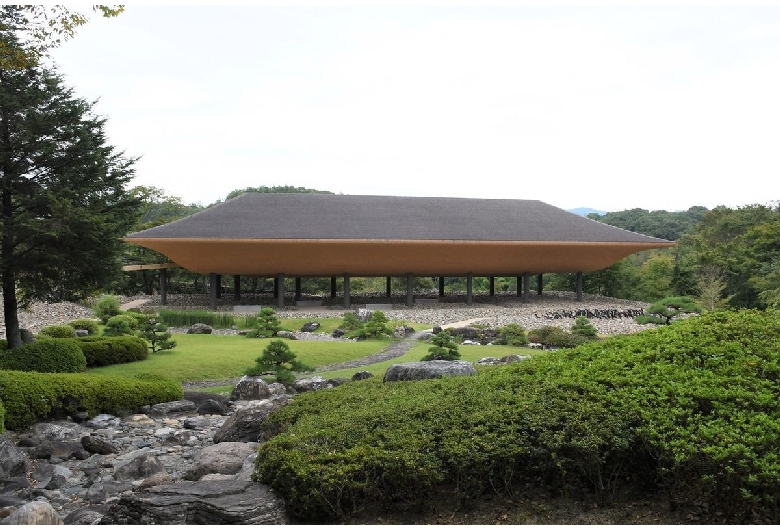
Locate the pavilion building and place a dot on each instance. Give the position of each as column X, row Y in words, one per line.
column 283, row 235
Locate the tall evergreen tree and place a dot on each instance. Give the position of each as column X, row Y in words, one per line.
column 63, row 200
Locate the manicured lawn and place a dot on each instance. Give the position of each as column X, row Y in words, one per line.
column 420, row 350
column 216, row 357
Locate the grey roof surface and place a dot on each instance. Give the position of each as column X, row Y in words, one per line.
column 320, row 216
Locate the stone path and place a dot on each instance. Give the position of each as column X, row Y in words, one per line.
column 391, row 351
column 132, row 304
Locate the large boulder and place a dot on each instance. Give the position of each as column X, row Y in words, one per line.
column 428, row 370
column 250, row 388
column 246, row 424
column 310, row 327
column 200, row 329
column 212, row 502
column 310, row 384
column 35, row 512
column 141, row 466
column 13, row 461
column 173, row 408
column 223, row 458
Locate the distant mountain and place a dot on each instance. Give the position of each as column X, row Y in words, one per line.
column 585, row 211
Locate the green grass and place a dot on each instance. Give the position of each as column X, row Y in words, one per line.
column 215, row 357
column 467, row 353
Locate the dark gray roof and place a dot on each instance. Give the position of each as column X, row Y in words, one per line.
column 319, row 216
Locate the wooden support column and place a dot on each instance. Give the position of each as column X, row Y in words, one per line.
column 237, row 287
column 389, row 287
column 526, row 287
column 409, row 290
column 441, row 285
column 279, row 281
column 163, row 287
column 579, row 286
column 469, row 290
column 346, row 290
column 298, row 288
column 219, row 286
column 213, row 291
column 333, row 287
column 539, row 285
column 492, row 286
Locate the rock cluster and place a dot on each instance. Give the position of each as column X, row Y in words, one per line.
column 176, row 463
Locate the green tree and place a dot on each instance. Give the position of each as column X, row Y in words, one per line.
column 155, row 332
column 280, row 360
column 155, row 208
column 38, row 29
column 274, row 189
column 268, row 324
column 63, row 199
column 663, row 311
column 444, row 348
column 583, row 328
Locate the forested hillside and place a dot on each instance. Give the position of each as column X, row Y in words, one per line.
column 657, row 223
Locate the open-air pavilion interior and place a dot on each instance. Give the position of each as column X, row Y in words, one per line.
column 294, row 235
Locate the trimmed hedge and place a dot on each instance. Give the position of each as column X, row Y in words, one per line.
column 85, row 323
column 104, row 351
column 2, row 418
column 45, row 355
column 692, row 408
column 58, row 331
column 31, row 397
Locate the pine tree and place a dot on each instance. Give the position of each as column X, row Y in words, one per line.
column 63, row 200
column 279, row 359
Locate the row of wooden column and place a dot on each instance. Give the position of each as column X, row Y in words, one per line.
column 215, row 282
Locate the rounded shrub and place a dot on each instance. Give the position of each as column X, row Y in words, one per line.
column 104, row 351
column 107, row 307
column 2, row 418
column 45, row 355
column 511, row 334
column 58, row 331
column 119, row 325
column 85, row 323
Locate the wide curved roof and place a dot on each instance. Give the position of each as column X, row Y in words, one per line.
column 327, row 235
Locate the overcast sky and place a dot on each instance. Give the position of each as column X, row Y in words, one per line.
column 604, row 107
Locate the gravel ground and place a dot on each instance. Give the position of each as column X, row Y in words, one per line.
column 553, row 308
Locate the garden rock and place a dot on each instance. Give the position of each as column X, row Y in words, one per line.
column 214, row 502
column 488, row 361
column 286, row 335
column 173, row 408
column 428, row 370
column 93, row 444
column 144, row 465
column 310, row 327
column 13, row 461
column 246, row 424
column 225, row 458
column 311, row 384
column 514, row 358
column 399, row 332
column 82, row 333
column 35, row 512
column 27, row 336
column 362, row 375
column 250, row 388
column 200, row 329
